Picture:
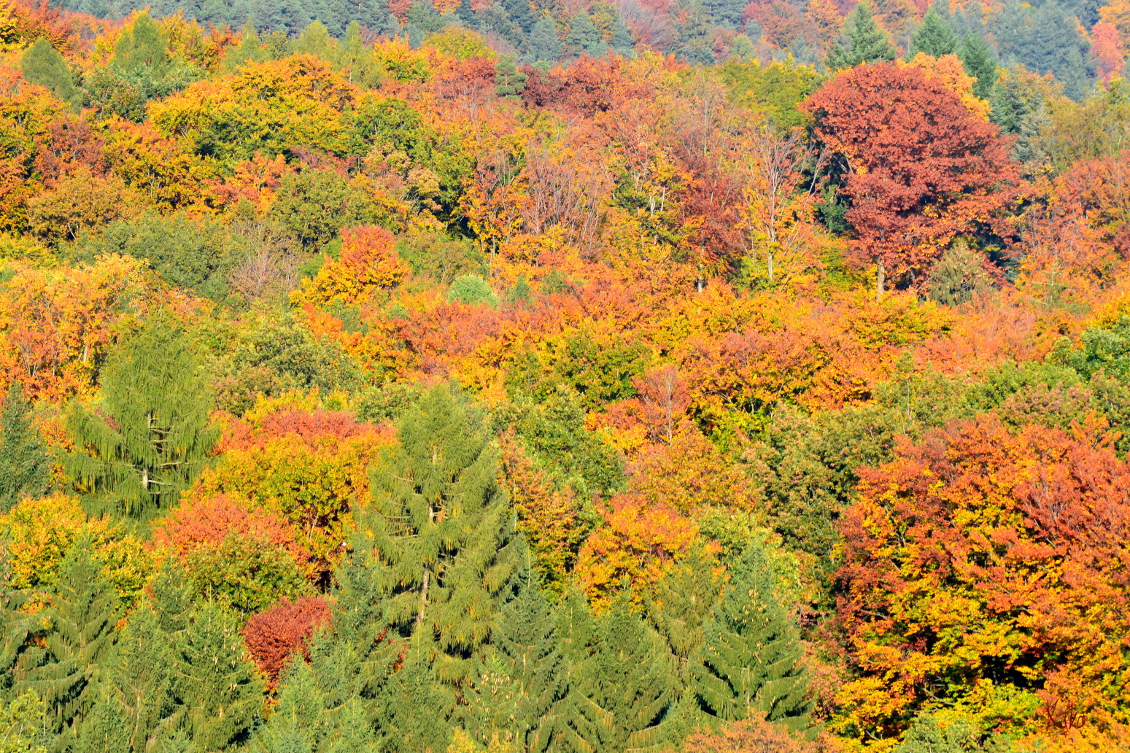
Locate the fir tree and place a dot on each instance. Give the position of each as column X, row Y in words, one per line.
column 157, row 436
column 935, row 36
column 681, row 607
column 696, row 40
column 444, row 531
column 467, row 16
column 519, row 12
column 508, row 80
column 622, row 41
column 423, row 17
column 727, row 13
column 384, row 24
column 751, row 651
column 867, row 43
column 544, row 44
column 979, row 62
column 43, row 65
column 298, row 723
column 416, row 708
column 218, row 688
column 584, row 39
column 82, row 617
column 624, row 690
column 24, row 462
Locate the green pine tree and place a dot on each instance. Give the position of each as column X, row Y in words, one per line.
column 219, row 690
column 623, row 691
column 519, row 13
column 751, row 651
column 508, row 80
column 544, row 46
column 979, row 62
column 298, row 723
column 680, row 609
column 416, row 708
column 584, row 39
column 866, row 42
column 622, row 41
column 24, row 463
column 151, row 436
column 43, row 65
column 444, row 531
column 83, row 614
column 935, row 36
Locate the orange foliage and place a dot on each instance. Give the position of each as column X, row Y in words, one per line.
column 273, row 636
column 368, row 263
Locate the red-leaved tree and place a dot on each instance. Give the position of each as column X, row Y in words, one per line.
column 273, row 636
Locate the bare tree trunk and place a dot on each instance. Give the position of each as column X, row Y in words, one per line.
column 880, row 278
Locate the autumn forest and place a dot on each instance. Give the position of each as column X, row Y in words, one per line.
column 685, row 376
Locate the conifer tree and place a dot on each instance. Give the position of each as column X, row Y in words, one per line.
column 935, row 36
column 43, row 65
column 416, row 707
column 867, row 43
column 622, row 41
column 682, row 605
column 979, row 62
column 82, row 616
column 298, row 723
column 151, row 436
column 519, row 12
column 24, row 462
column 751, row 651
column 584, row 39
column 624, row 690
column 218, row 688
column 443, row 531
column 544, row 45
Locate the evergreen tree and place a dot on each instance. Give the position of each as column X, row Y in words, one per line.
column 508, row 80
column 43, row 65
column 979, row 61
column 681, row 607
column 157, row 436
column 444, row 531
column 519, row 12
column 544, row 44
column 935, row 36
column 383, row 24
column 422, row 16
column 622, row 41
column 584, row 39
column 696, row 39
column 624, row 690
column 466, row 15
column 219, row 690
column 24, row 463
column 751, row 651
column 726, row 13
column 866, row 42
column 1055, row 45
column 83, row 613
column 298, row 723
column 522, row 680
column 416, row 708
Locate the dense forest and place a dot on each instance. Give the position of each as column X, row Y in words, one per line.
column 634, row 376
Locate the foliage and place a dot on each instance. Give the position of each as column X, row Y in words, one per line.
column 24, row 462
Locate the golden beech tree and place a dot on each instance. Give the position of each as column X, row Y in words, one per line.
column 986, row 568
column 368, row 263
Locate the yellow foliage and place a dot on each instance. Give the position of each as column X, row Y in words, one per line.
column 949, row 71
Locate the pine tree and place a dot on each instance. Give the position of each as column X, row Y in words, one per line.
column 622, row 41
column 696, row 39
column 624, row 690
column 544, row 44
column 422, row 16
column 935, row 36
column 508, row 80
column 416, row 708
column 298, row 723
column 519, row 12
column 157, row 437
column 751, row 651
column 584, row 39
column 82, row 616
column 24, row 462
column 867, row 43
column 384, row 24
column 217, row 686
column 444, row 531
column 43, row 65
column 979, row 61
column 522, row 679
column 682, row 605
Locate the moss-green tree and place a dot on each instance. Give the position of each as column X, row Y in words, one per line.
column 24, row 462
column 43, row 65
column 935, row 36
column 150, row 435
column 866, row 42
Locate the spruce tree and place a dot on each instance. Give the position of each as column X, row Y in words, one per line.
column 84, row 611
column 624, row 690
column 151, row 435
column 298, row 723
column 444, row 531
column 751, row 653
column 544, row 45
column 584, row 39
column 935, row 36
column 682, row 605
column 416, row 707
column 43, row 65
column 24, row 462
column 519, row 12
column 979, row 61
column 219, row 690
column 867, row 43
column 622, row 41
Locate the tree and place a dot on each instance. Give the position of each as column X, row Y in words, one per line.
column 283, row 631
column 921, row 169
column 141, row 47
column 23, row 725
column 622, row 41
column 584, row 39
column 157, row 437
column 935, row 36
column 24, row 463
column 83, row 615
column 416, row 706
column 980, row 62
column 443, row 530
column 867, row 43
column 43, row 65
column 751, row 657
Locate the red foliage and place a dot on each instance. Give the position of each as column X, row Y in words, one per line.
column 586, row 88
column 208, row 522
column 314, row 429
column 69, row 143
column 273, row 636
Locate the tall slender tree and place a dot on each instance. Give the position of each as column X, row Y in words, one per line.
column 24, row 462
column 866, row 41
column 935, row 36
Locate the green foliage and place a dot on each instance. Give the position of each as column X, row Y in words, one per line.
column 584, row 39
column 866, row 42
column 150, row 436
column 680, row 608
column 472, row 289
column 751, row 651
column 508, row 80
column 544, row 45
column 315, row 204
column 980, row 62
column 245, row 575
column 775, row 89
column 43, row 65
column 1105, row 349
column 935, row 36
column 24, row 463
column 23, row 725
column 959, row 276
column 416, row 708
column 444, row 531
